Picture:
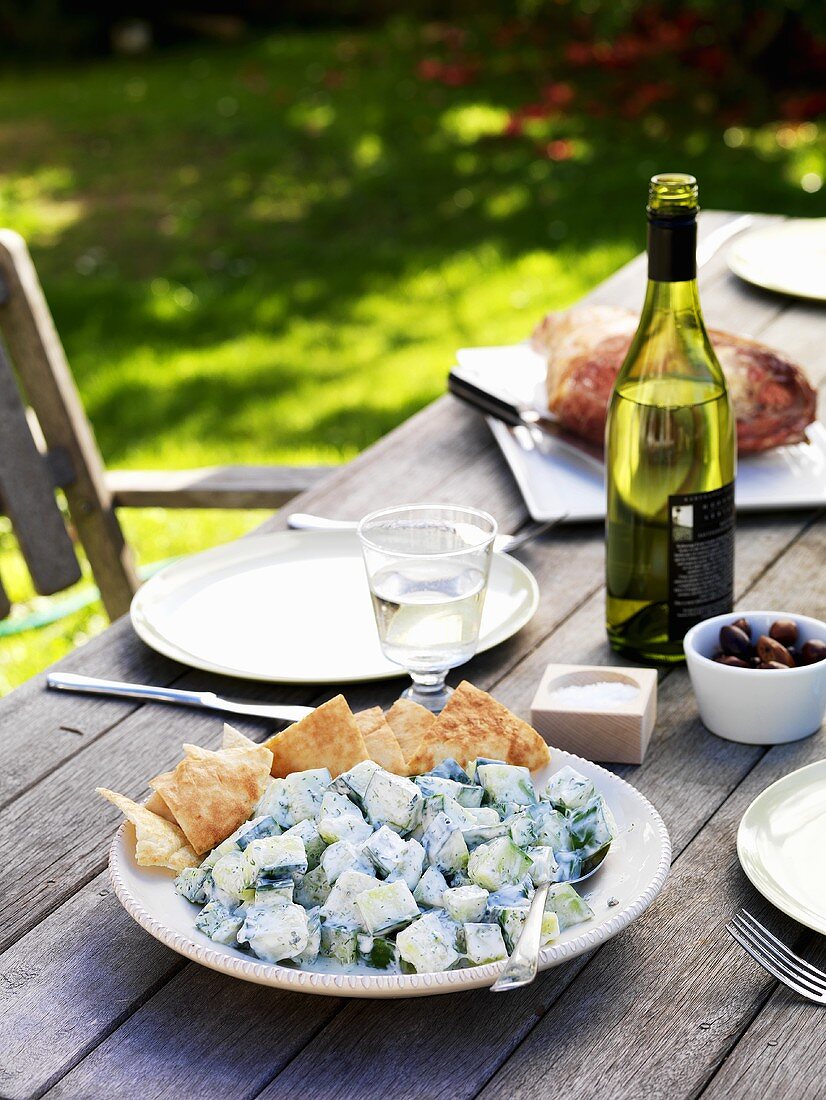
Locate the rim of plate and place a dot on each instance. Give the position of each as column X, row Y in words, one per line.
column 157, row 641
column 754, row 868
column 741, row 264
column 356, row 985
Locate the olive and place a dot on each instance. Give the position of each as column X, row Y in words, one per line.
column 769, row 651
column 743, row 624
column 735, row 643
column 772, row 664
column 784, row 631
column 754, row 662
column 813, row 651
column 734, row 662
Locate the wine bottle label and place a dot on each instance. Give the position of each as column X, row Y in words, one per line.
column 700, row 557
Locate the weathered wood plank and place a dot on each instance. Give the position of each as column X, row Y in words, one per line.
column 27, row 495
column 212, row 486
column 38, row 356
column 784, row 1050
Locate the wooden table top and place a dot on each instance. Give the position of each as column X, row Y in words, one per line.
column 92, row 1006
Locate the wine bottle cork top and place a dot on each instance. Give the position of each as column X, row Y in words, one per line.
column 672, row 193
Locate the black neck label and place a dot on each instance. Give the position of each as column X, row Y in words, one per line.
column 700, row 557
column 672, row 249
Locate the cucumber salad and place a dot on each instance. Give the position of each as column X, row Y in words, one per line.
column 376, row 871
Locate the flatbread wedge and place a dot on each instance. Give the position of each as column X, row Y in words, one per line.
column 158, row 842
column 380, row 740
column 212, row 793
column 410, row 722
column 327, row 738
column 474, row 724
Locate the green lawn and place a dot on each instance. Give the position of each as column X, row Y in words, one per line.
column 269, row 252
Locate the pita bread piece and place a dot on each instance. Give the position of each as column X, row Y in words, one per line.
column 474, row 724
column 212, row 793
column 327, row 738
column 410, row 722
column 157, row 805
column 380, row 740
column 158, row 843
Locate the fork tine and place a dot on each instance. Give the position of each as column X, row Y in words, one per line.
column 769, row 965
column 786, row 951
column 787, row 961
column 762, row 952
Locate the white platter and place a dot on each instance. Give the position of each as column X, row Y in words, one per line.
column 633, row 873
column 294, row 607
column 560, row 482
column 781, row 845
column 789, row 258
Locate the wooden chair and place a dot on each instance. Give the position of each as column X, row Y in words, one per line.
column 51, row 445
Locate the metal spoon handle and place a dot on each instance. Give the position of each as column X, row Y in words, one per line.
column 67, row 681
column 523, row 963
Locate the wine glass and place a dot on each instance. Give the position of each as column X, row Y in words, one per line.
column 427, row 567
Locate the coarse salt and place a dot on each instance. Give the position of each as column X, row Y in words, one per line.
column 594, row 696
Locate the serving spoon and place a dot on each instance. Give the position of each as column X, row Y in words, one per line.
column 522, row 966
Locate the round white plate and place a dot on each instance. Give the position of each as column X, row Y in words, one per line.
column 789, row 258
column 294, row 607
column 631, row 877
column 781, row 845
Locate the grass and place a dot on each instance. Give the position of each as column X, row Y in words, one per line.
column 270, row 252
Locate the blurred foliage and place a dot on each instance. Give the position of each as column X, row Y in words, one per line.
column 270, row 252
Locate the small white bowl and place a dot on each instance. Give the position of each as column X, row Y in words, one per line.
column 756, row 706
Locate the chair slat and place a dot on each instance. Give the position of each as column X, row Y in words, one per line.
column 27, row 495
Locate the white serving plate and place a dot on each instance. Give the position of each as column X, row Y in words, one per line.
column 781, row 845
column 634, row 873
column 294, row 607
column 560, row 482
column 789, row 258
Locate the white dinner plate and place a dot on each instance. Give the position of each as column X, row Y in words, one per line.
column 628, row 881
column 781, row 845
column 560, row 482
column 294, row 607
column 789, row 258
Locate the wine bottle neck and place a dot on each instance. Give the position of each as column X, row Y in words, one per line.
column 672, row 248
column 672, row 297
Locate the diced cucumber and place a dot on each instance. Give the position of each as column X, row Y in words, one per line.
column 470, row 795
column 387, row 907
column 484, row 943
column 257, row 829
column 280, row 856
column 550, row 927
column 340, row 819
column 190, row 884
column 450, row 769
column 354, row 783
column 458, row 878
column 378, row 952
column 512, row 921
column 431, row 888
column 497, row 863
column 445, row 845
column 436, row 784
column 302, row 794
column 394, row 801
column 568, row 789
column 474, row 764
column 343, row 856
column 428, row 944
column 543, row 865
column 590, row 828
column 314, row 845
column 275, row 932
column 267, row 892
column 522, row 830
column 339, row 942
column 233, row 873
column 310, row 952
column 465, row 904
column 550, row 827
column 384, row 849
column 313, row 888
column 569, row 907
column 340, row 907
column 568, row 866
column 410, row 865
column 218, row 922
column 506, row 783
column 272, row 803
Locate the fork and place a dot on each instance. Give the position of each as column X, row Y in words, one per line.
column 774, row 956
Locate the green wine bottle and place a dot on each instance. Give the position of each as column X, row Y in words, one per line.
column 670, row 452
